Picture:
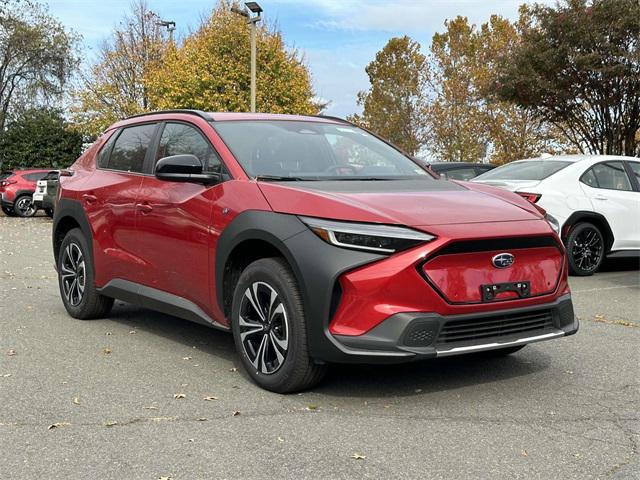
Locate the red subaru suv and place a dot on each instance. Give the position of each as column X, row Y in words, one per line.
column 16, row 192
column 310, row 239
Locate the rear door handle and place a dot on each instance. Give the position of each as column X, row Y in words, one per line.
column 601, row 197
column 144, row 207
column 88, row 198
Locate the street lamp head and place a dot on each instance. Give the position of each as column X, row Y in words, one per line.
column 254, row 7
column 239, row 11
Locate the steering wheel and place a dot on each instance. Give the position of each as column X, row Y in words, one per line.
column 339, row 169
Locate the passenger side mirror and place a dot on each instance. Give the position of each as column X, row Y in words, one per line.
column 184, row 168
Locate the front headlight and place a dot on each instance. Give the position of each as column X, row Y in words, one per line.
column 366, row 236
column 553, row 221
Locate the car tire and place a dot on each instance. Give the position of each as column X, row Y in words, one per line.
column 585, row 249
column 269, row 328
column 49, row 212
column 24, row 206
column 8, row 211
column 76, row 279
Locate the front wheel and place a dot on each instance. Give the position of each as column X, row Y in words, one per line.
column 24, row 206
column 8, row 211
column 269, row 328
column 76, row 279
column 585, row 247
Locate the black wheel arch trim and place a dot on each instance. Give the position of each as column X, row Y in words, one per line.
column 315, row 264
column 68, row 208
column 585, row 216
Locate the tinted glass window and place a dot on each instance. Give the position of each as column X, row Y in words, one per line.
column 527, row 170
column 589, row 178
column 635, row 168
column 313, row 151
column 130, row 148
column 103, row 157
column 459, row 173
column 181, row 139
column 611, row 176
column 34, row 177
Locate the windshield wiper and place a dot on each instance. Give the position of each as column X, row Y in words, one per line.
column 279, row 178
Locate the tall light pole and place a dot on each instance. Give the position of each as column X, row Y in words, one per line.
column 251, row 20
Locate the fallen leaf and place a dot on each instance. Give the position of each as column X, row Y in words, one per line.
column 211, row 398
column 312, row 407
column 11, row 353
column 6, row 375
column 524, row 453
column 106, row 350
column 110, row 424
column 58, row 425
column 132, row 332
column 191, row 440
column 599, row 316
column 186, row 358
column 108, row 333
column 357, row 456
column 76, row 400
column 178, row 396
column 235, row 414
column 203, row 419
column 151, row 407
column 164, row 478
column 418, row 390
column 234, row 369
column 280, row 439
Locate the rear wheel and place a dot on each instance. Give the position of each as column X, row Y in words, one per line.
column 77, row 280
column 585, row 246
column 8, row 211
column 24, row 206
column 49, row 212
column 269, row 328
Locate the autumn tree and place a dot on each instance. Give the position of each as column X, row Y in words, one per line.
column 211, row 70
column 39, row 138
column 115, row 86
column 37, row 57
column 393, row 107
column 578, row 66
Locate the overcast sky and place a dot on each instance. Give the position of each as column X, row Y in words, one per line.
column 337, row 37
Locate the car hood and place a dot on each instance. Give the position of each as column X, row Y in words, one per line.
column 411, row 202
column 511, row 185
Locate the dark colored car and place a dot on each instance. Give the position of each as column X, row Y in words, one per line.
column 46, row 193
column 310, row 239
column 460, row 170
column 16, row 191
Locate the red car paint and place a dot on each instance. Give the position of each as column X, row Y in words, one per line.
column 146, row 230
column 18, row 184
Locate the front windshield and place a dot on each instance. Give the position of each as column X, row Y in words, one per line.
column 298, row 150
column 527, row 170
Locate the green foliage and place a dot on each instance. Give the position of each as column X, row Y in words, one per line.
column 37, row 57
column 39, row 138
column 393, row 107
column 211, row 71
column 578, row 66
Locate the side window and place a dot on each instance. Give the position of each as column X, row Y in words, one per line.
column 103, row 156
column 610, row 176
column 635, row 168
column 181, row 139
column 130, row 148
column 34, row 177
column 460, row 173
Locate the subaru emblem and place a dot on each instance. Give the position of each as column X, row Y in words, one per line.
column 503, row 260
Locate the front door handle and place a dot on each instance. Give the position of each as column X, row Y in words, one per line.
column 89, row 199
column 144, row 207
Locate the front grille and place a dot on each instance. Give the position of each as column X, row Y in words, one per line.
column 509, row 325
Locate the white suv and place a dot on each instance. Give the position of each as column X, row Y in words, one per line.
column 595, row 200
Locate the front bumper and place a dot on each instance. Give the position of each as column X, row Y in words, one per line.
column 418, row 335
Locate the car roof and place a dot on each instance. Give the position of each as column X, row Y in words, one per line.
column 225, row 116
column 575, row 158
column 460, row 164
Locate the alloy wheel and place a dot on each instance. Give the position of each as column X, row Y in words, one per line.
column 587, row 249
column 73, row 273
column 264, row 328
column 24, row 207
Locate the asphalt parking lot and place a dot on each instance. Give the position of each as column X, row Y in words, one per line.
column 143, row 395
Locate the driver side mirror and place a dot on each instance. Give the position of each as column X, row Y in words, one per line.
column 184, row 168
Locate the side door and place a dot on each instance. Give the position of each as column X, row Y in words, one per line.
column 109, row 200
column 174, row 220
column 610, row 190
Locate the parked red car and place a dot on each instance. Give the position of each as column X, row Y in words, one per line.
column 309, row 238
column 16, row 192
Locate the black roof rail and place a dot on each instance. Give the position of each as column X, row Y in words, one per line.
column 331, row 117
column 199, row 113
